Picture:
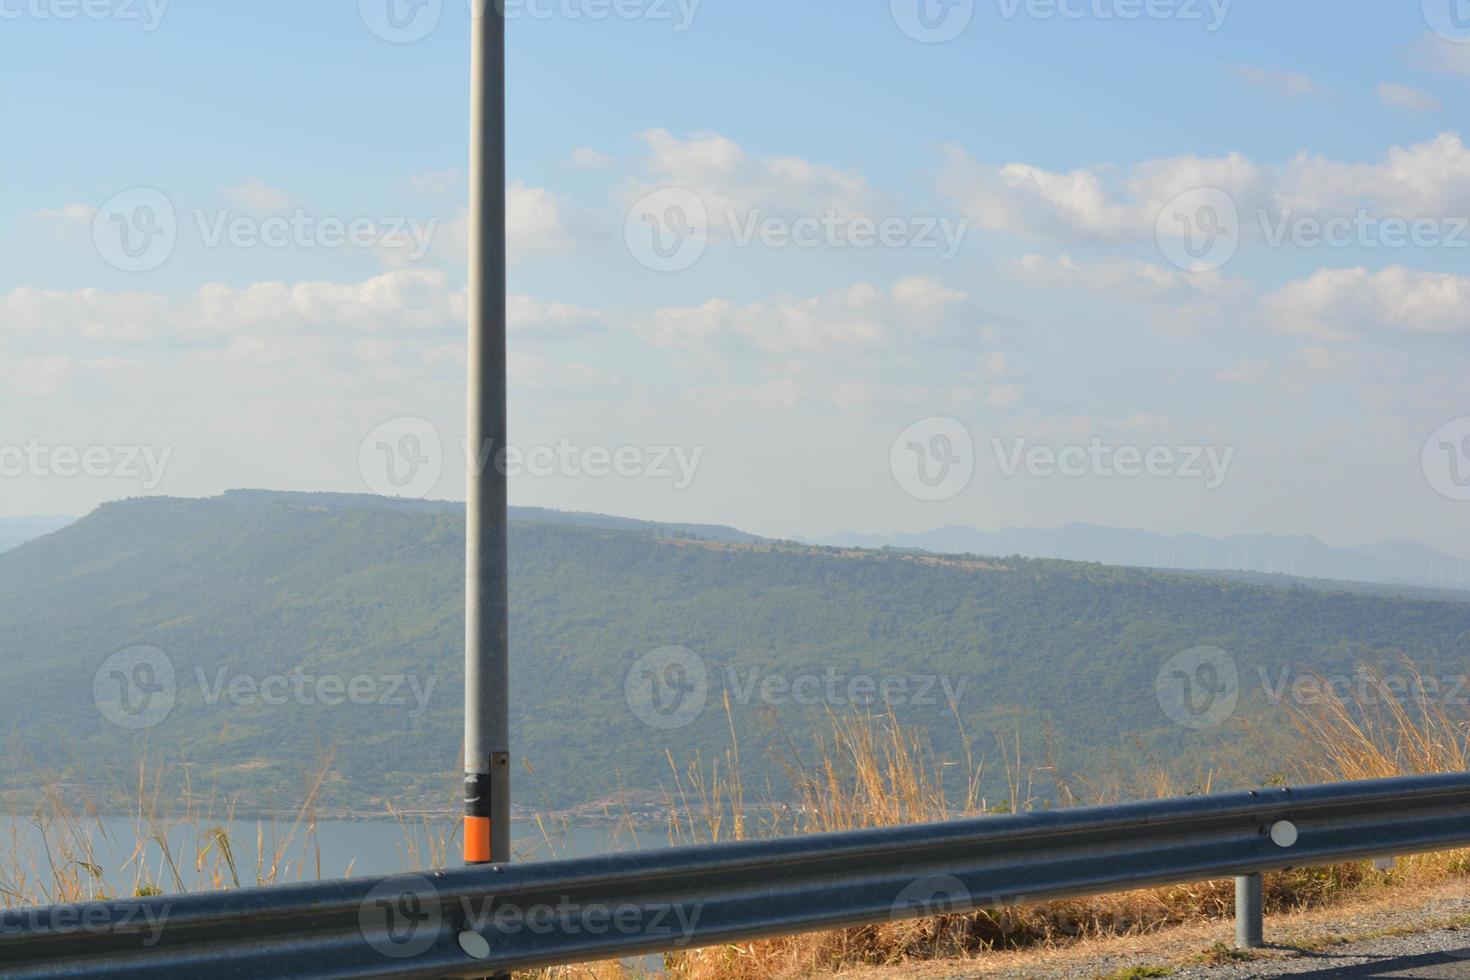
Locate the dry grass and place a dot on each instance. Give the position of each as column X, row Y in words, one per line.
column 1384, row 727
column 872, row 773
column 59, row 852
column 862, row 772
column 1399, row 725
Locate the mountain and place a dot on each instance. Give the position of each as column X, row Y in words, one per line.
column 16, row 531
column 705, row 532
column 523, row 515
column 252, row 640
column 1393, row 562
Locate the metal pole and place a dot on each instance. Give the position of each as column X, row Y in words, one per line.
column 486, row 715
column 1250, row 912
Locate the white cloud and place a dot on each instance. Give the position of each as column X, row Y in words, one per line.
column 1175, row 302
column 1406, row 97
column 685, row 326
column 727, row 179
column 256, row 195
column 590, row 159
column 1141, row 422
column 926, row 299
column 860, row 317
column 1028, row 200
column 535, row 219
column 1245, row 372
column 1291, row 84
column 1120, row 277
column 399, row 301
column 67, row 216
column 1101, row 203
column 1091, row 203
column 1154, row 183
column 70, row 223
column 405, row 299
column 852, row 394
column 1324, row 362
column 46, row 375
column 87, row 314
column 778, row 394
column 1336, row 303
column 1425, row 179
column 1003, row 396
column 550, row 321
column 1315, row 365
column 842, row 319
column 539, row 371
column 1069, row 427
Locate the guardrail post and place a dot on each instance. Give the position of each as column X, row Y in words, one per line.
column 1250, row 912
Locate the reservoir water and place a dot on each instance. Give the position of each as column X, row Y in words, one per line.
column 125, row 851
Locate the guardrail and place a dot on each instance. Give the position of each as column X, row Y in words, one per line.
column 493, row 919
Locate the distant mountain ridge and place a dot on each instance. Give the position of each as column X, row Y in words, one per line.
column 1394, row 562
column 614, row 634
column 1391, row 562
column 523, row 515
column 16, row 531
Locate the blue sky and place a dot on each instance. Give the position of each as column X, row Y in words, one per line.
column 1058, row 143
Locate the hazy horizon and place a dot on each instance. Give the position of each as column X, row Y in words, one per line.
column 1185, row 273
column 1462, row 552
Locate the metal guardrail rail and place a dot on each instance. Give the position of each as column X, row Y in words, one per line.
column 476, row 921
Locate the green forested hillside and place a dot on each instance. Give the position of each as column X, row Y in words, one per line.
column 313, row 587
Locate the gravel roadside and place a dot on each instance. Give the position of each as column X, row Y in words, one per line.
column 1438, row 953
column 1423, row 933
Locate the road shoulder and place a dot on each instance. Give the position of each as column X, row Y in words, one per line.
column 1424, row 931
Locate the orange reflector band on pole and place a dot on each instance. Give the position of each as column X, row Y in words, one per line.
column 477, row 840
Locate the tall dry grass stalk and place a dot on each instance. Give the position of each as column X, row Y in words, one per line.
column 173, row 841
column 1399, row 725
column 861, row 772
column 1378, row 726
column 872, row 773
column 169, row 842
